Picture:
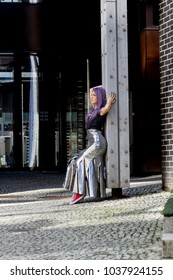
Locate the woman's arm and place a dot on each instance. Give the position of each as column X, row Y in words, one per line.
column 110, row 101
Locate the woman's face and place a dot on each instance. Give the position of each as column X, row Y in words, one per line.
column 93, row 98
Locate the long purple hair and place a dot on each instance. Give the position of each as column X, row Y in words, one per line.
column 101, row 102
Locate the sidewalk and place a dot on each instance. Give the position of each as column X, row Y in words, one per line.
column 37, row 222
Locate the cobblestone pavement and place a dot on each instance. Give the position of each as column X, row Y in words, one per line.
column 37, row 222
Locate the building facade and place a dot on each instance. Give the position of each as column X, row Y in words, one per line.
column 166, row 92
column 49, row 57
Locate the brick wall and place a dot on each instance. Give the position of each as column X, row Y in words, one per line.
column 166, row 90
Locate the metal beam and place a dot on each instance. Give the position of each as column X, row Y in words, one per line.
column 115, row 78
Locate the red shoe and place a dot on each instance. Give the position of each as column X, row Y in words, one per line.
column 77, row 197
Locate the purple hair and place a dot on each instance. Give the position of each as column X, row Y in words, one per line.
column 101, row 96
column 101, row 102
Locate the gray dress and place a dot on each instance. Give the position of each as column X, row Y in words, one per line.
column 86, row 171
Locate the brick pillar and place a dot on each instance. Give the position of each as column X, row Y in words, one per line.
column 166, row 91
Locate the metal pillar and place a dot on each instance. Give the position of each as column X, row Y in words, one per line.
column 115, row 78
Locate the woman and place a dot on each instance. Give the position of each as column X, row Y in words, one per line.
column 85, row 171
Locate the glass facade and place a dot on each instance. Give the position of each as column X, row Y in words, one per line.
column 43, row 80
column 75, row 122
column 29, row 110
column 41, row 125
column 6, row 111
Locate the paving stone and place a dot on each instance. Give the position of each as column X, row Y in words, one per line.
column 37, row 222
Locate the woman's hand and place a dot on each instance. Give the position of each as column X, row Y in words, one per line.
column 110, row 101
column 111, row 98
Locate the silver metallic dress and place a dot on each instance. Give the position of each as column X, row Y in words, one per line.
column 85, row 172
